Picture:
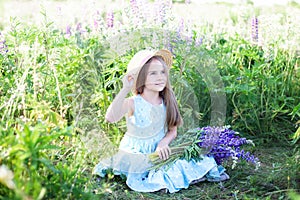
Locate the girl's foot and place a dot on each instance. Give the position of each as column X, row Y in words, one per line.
column 163, row 191
column 223, row 177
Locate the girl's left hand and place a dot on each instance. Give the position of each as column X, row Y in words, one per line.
column 163, row 151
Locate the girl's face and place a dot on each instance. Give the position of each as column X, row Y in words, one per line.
column 156, row 77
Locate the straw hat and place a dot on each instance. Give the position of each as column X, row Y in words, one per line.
column 141, row 57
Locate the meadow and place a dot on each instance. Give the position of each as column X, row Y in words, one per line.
column 61, row 64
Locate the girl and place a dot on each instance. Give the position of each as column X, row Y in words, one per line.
column 152, row 118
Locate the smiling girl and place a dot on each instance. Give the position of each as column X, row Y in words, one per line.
column 152, row 118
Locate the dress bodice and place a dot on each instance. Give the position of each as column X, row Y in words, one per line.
column 147, row 121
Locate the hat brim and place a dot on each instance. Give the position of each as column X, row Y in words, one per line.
column 142, row 57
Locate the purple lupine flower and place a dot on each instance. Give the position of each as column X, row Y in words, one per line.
column 167, row 43
column 3, row 46
column 180, row 28
column 68, row 31
column 96, row 19
column 189, row 37
column 134, row 7
column 161, row 12
column 96, row 24
column 198, row 41
column 142, row 12
column 210, row 138
column 224, row 144
column 254, row 33
column 246, row 156
column 79, row 28
column 110, row 19
column 188, row 1
column 171, row 48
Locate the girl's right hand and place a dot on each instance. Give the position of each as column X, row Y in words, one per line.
column 128, row 81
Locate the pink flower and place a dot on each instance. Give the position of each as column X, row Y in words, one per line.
column 110, row 19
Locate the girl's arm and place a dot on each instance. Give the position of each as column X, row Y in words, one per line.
column 120, row 105
column 163, row 148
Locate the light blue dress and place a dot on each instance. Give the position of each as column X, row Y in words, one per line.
column 145, row 128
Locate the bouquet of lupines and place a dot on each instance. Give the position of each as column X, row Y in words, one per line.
column 222, row 143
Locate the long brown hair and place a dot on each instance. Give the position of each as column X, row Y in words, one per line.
column 173, row 117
